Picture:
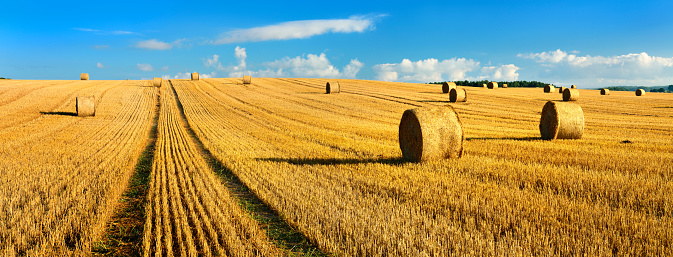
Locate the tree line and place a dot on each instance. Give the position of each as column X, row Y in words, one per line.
column 480, row 83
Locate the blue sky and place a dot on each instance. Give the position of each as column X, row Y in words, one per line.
column 588, row 43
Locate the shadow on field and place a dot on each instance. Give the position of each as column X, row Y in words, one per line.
column 505, row 138
column 664, row 107
column 331, row 161
column 432, row 101
column 312, row 93
column 60, row 113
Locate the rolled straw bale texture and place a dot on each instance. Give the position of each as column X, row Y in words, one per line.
column 431, row 133
column 458, row 95
column 571, row 94
column 561, row 121
column 573, row 86
column 549, row 88
column 447, row 86
column 85, row 106
column 493, row 85
column 504, row 85
column 247, row 79
column 560, row 90
column 84, row 76
column 195, row 76
column 484, row 85
column 605, row 91
column 640, row 92
column 157, row 82
column 332, row 87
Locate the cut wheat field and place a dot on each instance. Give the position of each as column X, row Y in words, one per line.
column 330, row 166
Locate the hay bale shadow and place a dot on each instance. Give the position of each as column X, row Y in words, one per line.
column 505, row 138
column 335, row 161
column 59, row 113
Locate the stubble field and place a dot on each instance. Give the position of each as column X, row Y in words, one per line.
column 330, row 166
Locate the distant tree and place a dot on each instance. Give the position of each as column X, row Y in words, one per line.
column 670, row 88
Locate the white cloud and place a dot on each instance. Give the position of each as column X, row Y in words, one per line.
column 352, row 69
column 145, row 67
column 100, row 65
column 188, row 75
column 154, row 44
column 311, row 66
column 426, row 70
column 165, row 68
column 502, row 73
column 298, row 29
column 627, row 69
column 103, row 32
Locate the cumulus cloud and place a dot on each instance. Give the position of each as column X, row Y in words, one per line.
column 502, row 73
column 188, row 75
column 153, row 44
column 298, row 29
column 352, row 69
column 145, row 67
column 633, row 68
column 426, row 70
column 100, row 65
column 310, row 66
column 103, row 32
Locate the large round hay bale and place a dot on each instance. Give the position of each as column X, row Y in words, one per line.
column 157, row 82
column 561, row 120
column 640, row 92
column 560, row 90
column 573, row 86
column 84, row 76
column 85, row 106
column 571, row 94
column 504, row 85
column 195, row 76
column 447, row 86
column 458, row 95
column 332, row 87
column 549, row 88
column 605, row 91
column 431, row 133
column 247, row 79
column 492, row 85
column 484, row 85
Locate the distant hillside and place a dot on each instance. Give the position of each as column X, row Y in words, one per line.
column 518, row 83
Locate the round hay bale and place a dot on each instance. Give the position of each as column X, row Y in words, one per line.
column 84, row 76
column 195, row 76
column 561, row 121
column 447, row 86
column 605, row 91
column 504, row 85
column 640, row 92
column 332, row 87
column 157, row 82
column 492, row 85
column 431, row 133
column 85, row 106
column 560, row 90
column 247, row 79
column 484, row 85
column 549, row 88
column 573, row 86
column 571, row 94
column 458, row 95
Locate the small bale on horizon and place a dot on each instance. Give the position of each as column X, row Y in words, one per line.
column 640, row 92
column 84, row 76
column 549, row 88
column 332, row 87
column 431, row 133
column 85, row 106
column 484, row 85
column 605, row 91
column 447, row 86
column 560, row 89
column 458, row 95
column 504, row 85
column 573, row 86
column 571, row 94
column 247, row 79
column 492, row 85
column 195, row 76
column 157, row 82
column 561, row 120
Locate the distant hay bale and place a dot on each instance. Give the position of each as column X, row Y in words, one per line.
column 549, row 88
column 484, row 85
column 431, row 133
column 571, row 94
column 605, row 91
column 157, row 82
column 84, row 76
column 640, row 92
column 560, row 89
column 504, row 85
column 561, row 120
column 333, row 87
column 458, row 95
column 195, row 76
column 85, row 106
column 447, row 86
column 247, row 79
column 492, row 85
column 573, row 86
